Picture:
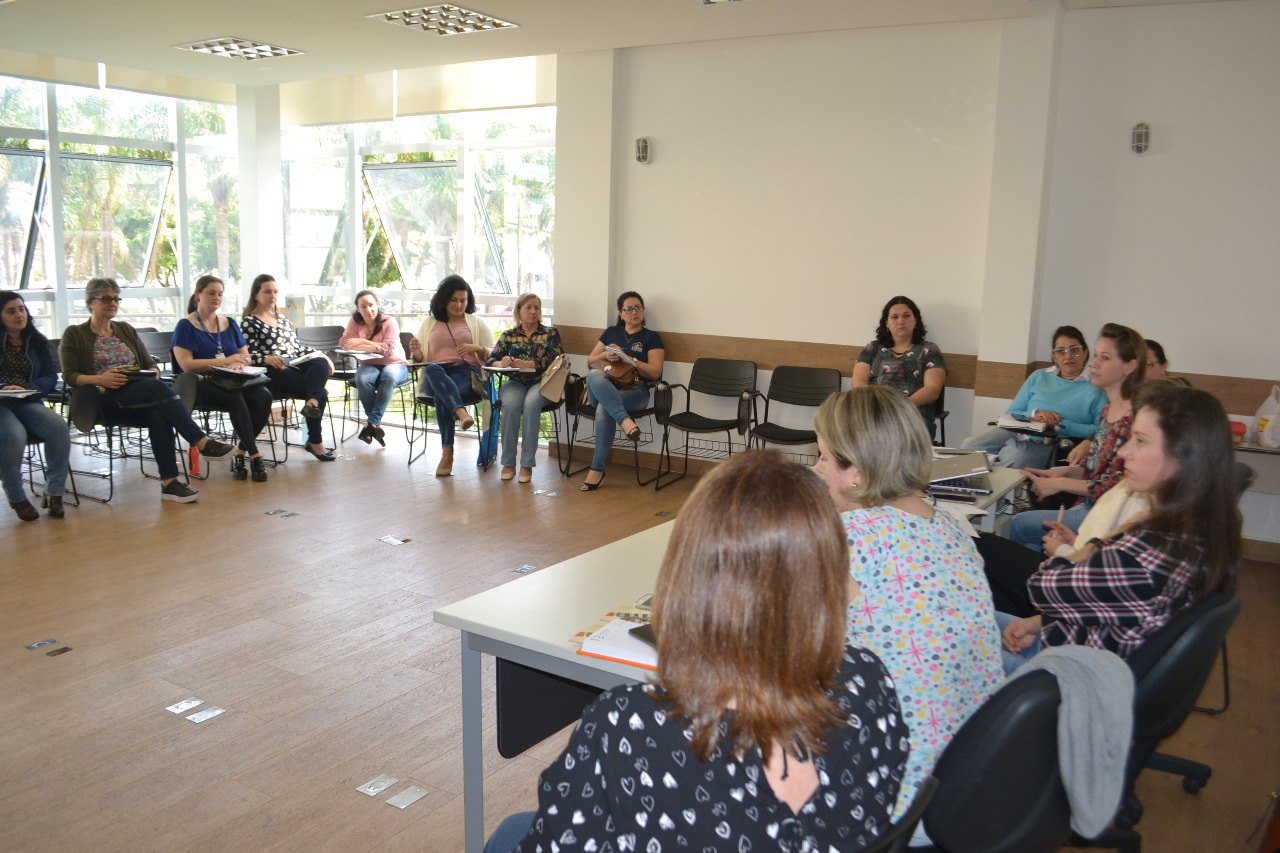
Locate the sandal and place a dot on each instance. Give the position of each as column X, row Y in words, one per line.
column 591, row 487
column 633, row 434
column 327, row 456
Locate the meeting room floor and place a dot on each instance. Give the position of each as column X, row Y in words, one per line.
column 317, row 639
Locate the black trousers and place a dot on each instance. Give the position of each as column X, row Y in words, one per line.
column 161, row 414
column 248, row 410
column 1008, row 566
column 305, row 382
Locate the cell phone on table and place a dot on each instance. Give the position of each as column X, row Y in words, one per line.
column 645, row 632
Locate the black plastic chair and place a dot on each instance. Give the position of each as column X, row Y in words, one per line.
column 793, row 386
column 350, row 403
column 940, row 418
column 486, row 423
column 577, row 406
column 158, row 345
column 898, row 838
column 714, row 377
column 1170, row 669
column 999, row 789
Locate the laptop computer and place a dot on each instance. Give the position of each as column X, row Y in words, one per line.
column 961, row 474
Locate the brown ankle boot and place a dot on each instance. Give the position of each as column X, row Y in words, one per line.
column 24, row 509
column 55, row 507
column 445, row 468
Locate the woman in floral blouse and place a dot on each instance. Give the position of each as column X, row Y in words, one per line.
column 762, row 730
column 902, row 359
column 1118, row 368
column 297, row 372
column 528, row 345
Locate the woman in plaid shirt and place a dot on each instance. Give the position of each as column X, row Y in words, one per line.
column 1115, row 593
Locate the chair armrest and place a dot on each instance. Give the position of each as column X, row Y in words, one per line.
column 747, row 410
column 662, row 398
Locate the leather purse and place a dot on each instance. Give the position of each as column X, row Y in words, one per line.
column 623, row 375
column 554, row 379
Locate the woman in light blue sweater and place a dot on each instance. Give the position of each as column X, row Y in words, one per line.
column 1061, row 396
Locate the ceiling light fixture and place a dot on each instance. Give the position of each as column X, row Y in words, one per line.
column 238, row 48
column 715, row 2
column 444, row 19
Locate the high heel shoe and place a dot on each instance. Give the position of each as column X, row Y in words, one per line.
column 633, row 434
column 591, row 487
column 366, row 434
column 53, row 505
column 379, row 434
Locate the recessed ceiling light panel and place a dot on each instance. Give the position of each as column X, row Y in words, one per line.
column 237, row 48
column 444, row 19
column 714, row 2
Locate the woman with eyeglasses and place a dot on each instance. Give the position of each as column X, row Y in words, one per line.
column 902, row 359
column 1118, row 368
column 26, row 364
column 453, row 342
column 1157, row 363
column 1061, row 397
column 108, row 354
column 628, row 340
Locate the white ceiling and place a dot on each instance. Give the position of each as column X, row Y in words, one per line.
column 339, row 40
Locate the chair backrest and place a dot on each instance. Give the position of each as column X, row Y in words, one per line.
column 404, row 342
column 722, row 377
column 1243, row 476
column 999, row 789
column 158, row 345
column 323, row 338
column 803, row 386
column 1171, row 668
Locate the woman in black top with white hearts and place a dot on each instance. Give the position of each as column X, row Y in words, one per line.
column 274, row 344
column 761, row 730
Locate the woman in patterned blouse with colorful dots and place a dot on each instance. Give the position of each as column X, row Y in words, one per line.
column 762, row 730
column 531, row 346
column 923, row 604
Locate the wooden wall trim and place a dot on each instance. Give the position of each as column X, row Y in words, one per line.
column 999, row 379
column 1263, row 552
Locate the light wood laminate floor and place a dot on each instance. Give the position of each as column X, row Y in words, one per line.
column 318, row 641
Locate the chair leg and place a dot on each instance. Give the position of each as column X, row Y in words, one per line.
column 1226, row 688
column 665, row 465
column 571, row 444
column 1194, row 774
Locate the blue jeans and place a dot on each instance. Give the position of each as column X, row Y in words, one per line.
column 159, row 420
column 613, row 406
column 510, row 832
column 31, row 417
column 520, row 401
column 375, row 383
column 1012, row 449
column 1027, row 528
column 450, row 386
column 1013, row 660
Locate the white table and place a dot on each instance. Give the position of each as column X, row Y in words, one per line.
column 1004, row 482
column 529, row 622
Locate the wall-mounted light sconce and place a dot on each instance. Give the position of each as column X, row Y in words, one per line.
column 1140, row 141
column 644, row 150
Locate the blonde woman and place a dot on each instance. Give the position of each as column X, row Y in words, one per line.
column 923, row 604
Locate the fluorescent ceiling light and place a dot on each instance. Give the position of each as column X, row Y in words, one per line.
column 444, row 19
column 237, row 48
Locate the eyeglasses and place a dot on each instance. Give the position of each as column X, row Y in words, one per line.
column 1065, row 351
column 632, row 309
column 114, row 300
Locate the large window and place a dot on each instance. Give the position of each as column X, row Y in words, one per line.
column 466, row 193
column 107, row 203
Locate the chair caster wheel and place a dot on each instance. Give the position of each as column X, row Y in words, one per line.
column 1191, row 786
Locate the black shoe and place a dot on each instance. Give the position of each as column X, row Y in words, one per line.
column 25, row 510
column 258, row 469
column 238, row 469
column 214, row 449
column 311, row 410
column 178, row 492
column 54, row 505
column 380, row 434
column 366, row 434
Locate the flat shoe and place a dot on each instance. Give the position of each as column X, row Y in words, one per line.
column 466, row 423
column 526, row 474
column 591, row 487
column 327, row 456
column 508, row 473
column 311, row 410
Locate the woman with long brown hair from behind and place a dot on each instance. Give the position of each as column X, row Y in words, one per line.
column 761, row 729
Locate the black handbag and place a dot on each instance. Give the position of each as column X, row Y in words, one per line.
column 235, row 381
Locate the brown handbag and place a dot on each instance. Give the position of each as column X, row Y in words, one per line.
column 623, row 375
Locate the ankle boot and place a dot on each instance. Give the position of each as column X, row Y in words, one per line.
column 445, row 468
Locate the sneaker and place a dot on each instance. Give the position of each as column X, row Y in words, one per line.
column 258, row 468
column 238, row 469
column 178, row 492
column 215, row 449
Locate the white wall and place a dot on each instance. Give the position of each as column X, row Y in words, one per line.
column 797, row 182
column 1180, row 243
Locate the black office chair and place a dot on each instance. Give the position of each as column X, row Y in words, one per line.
column 714, row 377
column 898, row 837
column 1170, row 669
column 940, row 418
column 577, row 406
column 793, row 386
column 158, row 346
column 999, row 787
column 486, row 425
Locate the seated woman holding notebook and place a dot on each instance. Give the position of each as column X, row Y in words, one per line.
column 1060, row 398
column 761, row 728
